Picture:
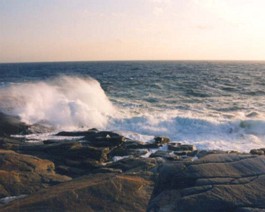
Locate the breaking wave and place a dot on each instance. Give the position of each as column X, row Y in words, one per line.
column 70, row 102
column 64, row 102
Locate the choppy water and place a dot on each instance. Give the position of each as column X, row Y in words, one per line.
column 215, row 105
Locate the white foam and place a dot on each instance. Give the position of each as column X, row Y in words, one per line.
column 117, row 158
column 65, row 102
column 6, row 200
column 240, row 133
column 73, row 102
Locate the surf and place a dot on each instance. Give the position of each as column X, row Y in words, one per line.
column 65, row 102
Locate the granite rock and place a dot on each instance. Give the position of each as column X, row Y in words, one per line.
column 215, row 182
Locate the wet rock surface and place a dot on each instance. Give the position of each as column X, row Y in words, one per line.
column 105, row 171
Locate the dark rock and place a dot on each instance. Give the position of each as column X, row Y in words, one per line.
column 181, row 153
column 161, row 140
column 70, row 171
column 106, row 141
column 257, row 151
column 71, row 154
column 101, row 135
column 91, row 132
column 106, row 134
column 10, row 125
column 203, row 153
column 123, row 151
column 165, row 154
column 100, row 192
column 103, row 139
column 134, row 164
column 107, row 170
column 174, row 146
column 10, row 143
column 51, row 141
column 181, row 147
column 183, row 150
column 67, row 150
column 132, row 144
column 192, row 153
column 216, row 182
column 87, row 152
column 186, row 153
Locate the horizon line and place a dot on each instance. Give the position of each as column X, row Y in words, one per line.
column 133, row 60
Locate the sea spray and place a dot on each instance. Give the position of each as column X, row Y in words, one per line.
column 204, row 132
column 214, row 105
column 64, row 102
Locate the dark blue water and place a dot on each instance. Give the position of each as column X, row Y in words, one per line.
column 211, row 104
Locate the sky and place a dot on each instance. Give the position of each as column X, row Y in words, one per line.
column 92, row 30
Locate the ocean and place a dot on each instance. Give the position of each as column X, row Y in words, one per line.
column 213, row 105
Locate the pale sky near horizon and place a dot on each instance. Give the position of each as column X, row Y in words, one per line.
column 80, row 30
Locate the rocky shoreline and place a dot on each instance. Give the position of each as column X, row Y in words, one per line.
column 105, row 171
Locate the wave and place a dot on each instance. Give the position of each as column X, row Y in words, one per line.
column 64, row 102
column 70, row 102
column 205, row 133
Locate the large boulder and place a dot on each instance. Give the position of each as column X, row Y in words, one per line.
column 216, row 182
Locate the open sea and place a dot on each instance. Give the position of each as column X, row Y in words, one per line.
column 213, row 105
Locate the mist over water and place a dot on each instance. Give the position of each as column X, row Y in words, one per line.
column 212, row 105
